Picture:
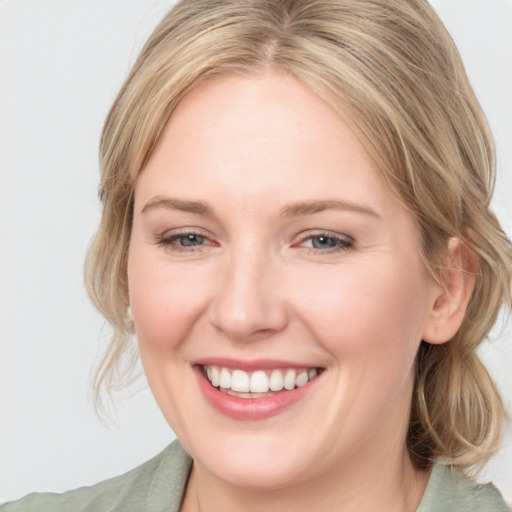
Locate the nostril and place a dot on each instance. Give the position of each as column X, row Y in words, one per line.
column 249, row 322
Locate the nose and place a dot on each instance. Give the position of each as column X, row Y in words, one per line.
column 249, row 303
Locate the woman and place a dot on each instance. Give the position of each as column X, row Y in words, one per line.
column 296, row 228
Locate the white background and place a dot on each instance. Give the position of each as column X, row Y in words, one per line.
column 61, row 64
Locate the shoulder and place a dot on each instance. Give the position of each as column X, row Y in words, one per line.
column 156, row 485
column 449, row 491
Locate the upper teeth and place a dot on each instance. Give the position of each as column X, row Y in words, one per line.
column 260, row 381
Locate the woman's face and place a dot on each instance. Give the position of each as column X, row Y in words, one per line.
column 267, row 254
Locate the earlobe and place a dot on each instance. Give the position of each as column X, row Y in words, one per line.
column 451, row 296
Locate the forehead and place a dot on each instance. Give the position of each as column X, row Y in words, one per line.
column 262, row 133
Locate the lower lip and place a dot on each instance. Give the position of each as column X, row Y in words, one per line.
column 250, row 409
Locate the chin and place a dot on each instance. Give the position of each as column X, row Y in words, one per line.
column 260, row 469
column 249, row 459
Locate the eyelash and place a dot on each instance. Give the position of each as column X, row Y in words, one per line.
column 171, row 241
column 341, row 243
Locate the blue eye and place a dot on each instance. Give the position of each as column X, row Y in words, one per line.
column 190, row 240
column 323, row 242
column 183, row 241
column 327, row 242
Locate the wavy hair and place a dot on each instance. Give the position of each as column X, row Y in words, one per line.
column 391, row 69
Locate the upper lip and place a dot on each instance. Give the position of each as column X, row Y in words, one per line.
column 250, row 365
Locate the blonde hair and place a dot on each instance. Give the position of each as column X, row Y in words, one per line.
column 392, row 66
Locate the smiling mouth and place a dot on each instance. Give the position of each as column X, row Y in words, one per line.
column 259, row 383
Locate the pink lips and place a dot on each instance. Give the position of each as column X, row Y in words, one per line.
column 249, row 409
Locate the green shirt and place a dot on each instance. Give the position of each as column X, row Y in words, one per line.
column 158, row 486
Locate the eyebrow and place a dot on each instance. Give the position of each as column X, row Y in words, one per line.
column 293, row 209
column 310, row 207
column 198, row 207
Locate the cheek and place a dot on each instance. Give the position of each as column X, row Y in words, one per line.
column 166, row 304
column 366, row 312
column 166, row 301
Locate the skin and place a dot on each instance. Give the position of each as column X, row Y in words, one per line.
column 255, row 284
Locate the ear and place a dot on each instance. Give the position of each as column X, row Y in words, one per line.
column 451, row 296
